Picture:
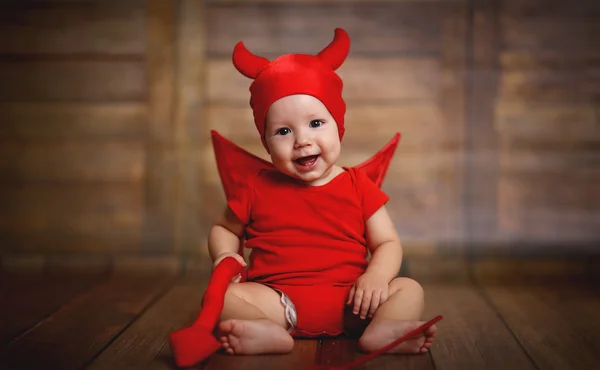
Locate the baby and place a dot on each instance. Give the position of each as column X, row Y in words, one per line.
column 310, row 224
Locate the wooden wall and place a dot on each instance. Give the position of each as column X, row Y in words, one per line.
column 106, row 109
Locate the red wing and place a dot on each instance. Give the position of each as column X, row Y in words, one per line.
column 376, row 166
column 235, row 164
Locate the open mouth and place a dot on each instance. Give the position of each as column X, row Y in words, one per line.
column 307, row 161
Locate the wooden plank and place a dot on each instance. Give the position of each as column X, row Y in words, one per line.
column 527, row 60
column 496, row 270
column 189, row 124
column 365, row 80
column 546, row 8
column 158, row 230
column 550, row 75
column 302, row 356
column 93, row 28
column 479, row 192
column 559, row 32
column 555, row 323
column 368, row 126
column 72, row 161
column 567, row 122
column 438, row 269
column 144, row 345
column 382, row 28
column 68, row 121
column 69, row 242
column 550, row 86
column 31, row 80
column 110, row 210
column 20, row 263
column 73, row 336
column 29, row 299
column 339, row 351
column 546, row 209
column 471, row 335
column 548, row 161
column 452, row 101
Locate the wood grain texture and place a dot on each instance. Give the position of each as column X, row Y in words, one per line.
column 471, row 335
column 302, row 356
column 556, row 324
column 161, row 179
column 493, row 271
column 29, row 299
column 339, row 351
column 558, row 31
column 366, row 80
column 71, row 337
column 72, row 121
column 110, row 209
column 72, row 161
column 144, row 345
column 73, row 28
column 60, row 81
column 189, row 123
column 533, row 8
column 479, row 191
column 548, row 122
column 545, row 209
column 452, row 100
column 382, row 28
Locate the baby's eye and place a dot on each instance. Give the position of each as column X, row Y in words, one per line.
column 283, row 131
column 316, row 123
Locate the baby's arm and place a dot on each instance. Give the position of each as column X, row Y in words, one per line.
column 224, row 238
column 371, row 289
column 384, row 244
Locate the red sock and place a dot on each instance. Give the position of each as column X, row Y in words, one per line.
column 195, row 343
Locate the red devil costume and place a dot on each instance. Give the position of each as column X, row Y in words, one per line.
column 307, row 241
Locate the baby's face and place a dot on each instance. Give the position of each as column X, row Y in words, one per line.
column 303, row 138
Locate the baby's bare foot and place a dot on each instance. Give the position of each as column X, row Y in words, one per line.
column 381, row 333
column 251, row 337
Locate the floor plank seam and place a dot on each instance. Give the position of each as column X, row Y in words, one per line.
column 318, row 356
column 153, row 301
column 45, row 318
column 489, row 302
column 432, row 361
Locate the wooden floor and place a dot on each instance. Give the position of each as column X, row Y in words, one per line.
column 122, row 321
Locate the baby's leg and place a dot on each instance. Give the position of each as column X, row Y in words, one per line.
column 398, row 315
column 253, row 321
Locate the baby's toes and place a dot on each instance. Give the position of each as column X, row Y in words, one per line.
column 234, row 343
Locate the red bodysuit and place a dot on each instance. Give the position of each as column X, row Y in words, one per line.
column 308, row 241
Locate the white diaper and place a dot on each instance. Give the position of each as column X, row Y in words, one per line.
column 290, row 310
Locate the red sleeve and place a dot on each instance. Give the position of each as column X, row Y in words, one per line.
column 373, row 197
column 241, row 202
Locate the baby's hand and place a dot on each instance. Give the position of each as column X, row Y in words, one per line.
column 368, row 292
column 239, row 258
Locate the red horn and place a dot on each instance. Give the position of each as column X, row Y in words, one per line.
column 335, row 53
column 247, row 63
